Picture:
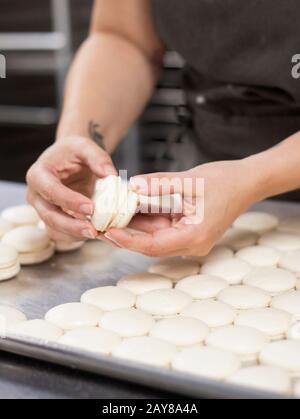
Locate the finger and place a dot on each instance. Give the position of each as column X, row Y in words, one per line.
column 97, row 159
column 156, row 244
column 74, row 214
column 149, row 223
column 157, row 183
column 183, row 183
column 61, row 222
column 56, row 236
column 102, row 238
column 180, row 252
column 47, row 185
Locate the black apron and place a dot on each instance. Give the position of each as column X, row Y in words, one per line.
column 238, row 82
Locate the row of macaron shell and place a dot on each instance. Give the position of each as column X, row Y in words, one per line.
column 86, row 314
column 22, row 230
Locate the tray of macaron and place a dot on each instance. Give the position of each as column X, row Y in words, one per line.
column 226, row 325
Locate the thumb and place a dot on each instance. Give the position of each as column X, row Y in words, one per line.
column 164, row 183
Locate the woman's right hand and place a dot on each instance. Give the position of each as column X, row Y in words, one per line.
column 61, row 184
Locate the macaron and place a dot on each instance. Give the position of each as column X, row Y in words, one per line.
column 207, row 362
column 115, row 204
column 180, row 330
column 282, row 354
column 271, row 379
column 296, row 390
column 259, row 256
column 289, row 302
column 290, row 225
column 20, row 215
column 109, row 298
column 274, row 323
column 175, row 268
column 37, row 329
column 66, row 247
column 9, row 262
column 257, row 222
column 245, row 342
column 294, row 332
column 142, row 282
column 232, row 270
column 243, row 297
column 237, row 239
column 127, row 322
column 74, row 316
column 92, row 339
column 283, row 242
column 201, row 287
column 32, row 244
column 105, row 203
column 126, row 206
column 63, row 246
column 291, row 261
column 146, row 350
column 212, row 313
column 5, row 226
column 10, row 316
column 217, row 253
column 271, row 280
column 163, row 302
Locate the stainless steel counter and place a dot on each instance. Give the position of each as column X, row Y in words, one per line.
column 64, row 279
column 25, row 378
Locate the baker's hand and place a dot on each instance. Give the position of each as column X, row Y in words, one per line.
column 227, row 192
column 61, row 183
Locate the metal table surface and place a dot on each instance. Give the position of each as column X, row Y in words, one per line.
column 23, row 378
column 63, row 279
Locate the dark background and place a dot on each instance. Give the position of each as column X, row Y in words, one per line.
column 20, row 144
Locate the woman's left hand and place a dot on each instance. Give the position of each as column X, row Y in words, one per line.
column 229, row 188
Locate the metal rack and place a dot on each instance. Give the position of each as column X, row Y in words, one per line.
column 146, row 143
column 39, row 53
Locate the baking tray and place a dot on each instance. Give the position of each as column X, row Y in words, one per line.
column 65, row 277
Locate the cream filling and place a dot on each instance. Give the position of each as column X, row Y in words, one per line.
column 11, row 272
column 40, row 256
column 63, row 247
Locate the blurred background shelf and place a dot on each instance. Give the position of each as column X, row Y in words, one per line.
column 39, row 39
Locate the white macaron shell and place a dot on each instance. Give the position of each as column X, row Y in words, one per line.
column 146, row 350
column 109, row 298
column 105, row 202
column 37, row 329
column 27, row 239
column 21, row 215
column 8, row 256
column 207, row 362
column 91, row 339
column 5, row 226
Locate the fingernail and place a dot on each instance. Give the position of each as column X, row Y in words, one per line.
column 109, row 170
column 86, row 209
column 105, row 240
column 134, row 183
column 88, row 234
column 139, row 184
column 110, row 238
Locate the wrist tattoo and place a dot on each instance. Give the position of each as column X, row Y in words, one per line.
column 95, row 134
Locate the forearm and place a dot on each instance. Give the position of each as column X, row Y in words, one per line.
column 108, row 86
column 275, row 171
